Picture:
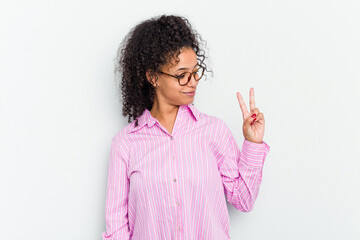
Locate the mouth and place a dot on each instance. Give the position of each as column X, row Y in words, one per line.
column 189, row 93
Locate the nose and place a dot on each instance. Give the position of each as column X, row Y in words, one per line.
column 192, row 80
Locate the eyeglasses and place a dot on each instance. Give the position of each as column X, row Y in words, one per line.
column 185, row 77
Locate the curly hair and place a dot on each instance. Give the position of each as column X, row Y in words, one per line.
column 148, row 46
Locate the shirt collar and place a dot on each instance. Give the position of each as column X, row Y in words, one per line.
column 147, row 118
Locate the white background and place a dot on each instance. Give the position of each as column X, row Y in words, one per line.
column 60, row 110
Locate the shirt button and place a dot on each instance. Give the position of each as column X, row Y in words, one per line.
column 174, row 179
column 173, row 156
column 172, row 138
column 178, row 203
column 179, row 227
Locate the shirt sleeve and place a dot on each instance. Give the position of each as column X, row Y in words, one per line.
column 241, row 171
column 116, row 209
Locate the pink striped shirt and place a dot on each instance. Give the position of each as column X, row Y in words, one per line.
column 175, row 186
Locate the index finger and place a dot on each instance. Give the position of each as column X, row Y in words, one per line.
column 242, row 104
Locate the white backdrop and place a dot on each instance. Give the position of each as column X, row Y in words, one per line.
column 60, row 110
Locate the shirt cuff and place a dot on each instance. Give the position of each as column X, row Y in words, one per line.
column 254, row 154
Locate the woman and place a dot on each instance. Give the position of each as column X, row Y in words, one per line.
column 170, row 167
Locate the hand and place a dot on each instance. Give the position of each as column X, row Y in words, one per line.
column 253, row 130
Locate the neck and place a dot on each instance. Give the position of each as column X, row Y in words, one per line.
column 164, row 112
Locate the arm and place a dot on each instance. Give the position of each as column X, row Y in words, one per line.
column 116, row 210
column 241, row 171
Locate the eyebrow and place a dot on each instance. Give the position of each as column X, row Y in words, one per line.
column 185, row 68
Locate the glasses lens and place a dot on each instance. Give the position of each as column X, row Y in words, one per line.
column 184, row 78
column 199, row 73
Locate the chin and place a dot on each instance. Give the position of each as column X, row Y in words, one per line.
column 188, row 102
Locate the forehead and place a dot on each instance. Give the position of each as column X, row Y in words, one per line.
column 186, row 59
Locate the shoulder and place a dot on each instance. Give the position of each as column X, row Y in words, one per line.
column 120, row 139
column 217, row 125
column 213, row 119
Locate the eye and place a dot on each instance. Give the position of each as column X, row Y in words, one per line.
column 181, row 76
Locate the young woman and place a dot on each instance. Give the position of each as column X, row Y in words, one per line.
column 172, row 168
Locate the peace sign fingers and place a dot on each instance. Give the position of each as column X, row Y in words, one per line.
column 253, row 121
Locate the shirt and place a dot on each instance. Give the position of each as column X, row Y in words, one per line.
column 175, row 186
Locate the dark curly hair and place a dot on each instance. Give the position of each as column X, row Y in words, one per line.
column 148, row 46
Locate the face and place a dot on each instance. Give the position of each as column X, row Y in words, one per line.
column 169, row 90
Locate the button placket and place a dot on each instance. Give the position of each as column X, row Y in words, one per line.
column 176, row 186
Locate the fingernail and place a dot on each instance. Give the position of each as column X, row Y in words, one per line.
column 254, row 120
column 254, row 115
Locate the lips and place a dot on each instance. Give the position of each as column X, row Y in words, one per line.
column 189, row 93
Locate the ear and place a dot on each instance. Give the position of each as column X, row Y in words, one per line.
column 150, row 76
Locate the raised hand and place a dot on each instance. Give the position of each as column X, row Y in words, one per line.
column 253, row 121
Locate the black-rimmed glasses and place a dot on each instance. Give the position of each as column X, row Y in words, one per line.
column 185, row 77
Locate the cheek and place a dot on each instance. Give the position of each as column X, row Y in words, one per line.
column 171, row 90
